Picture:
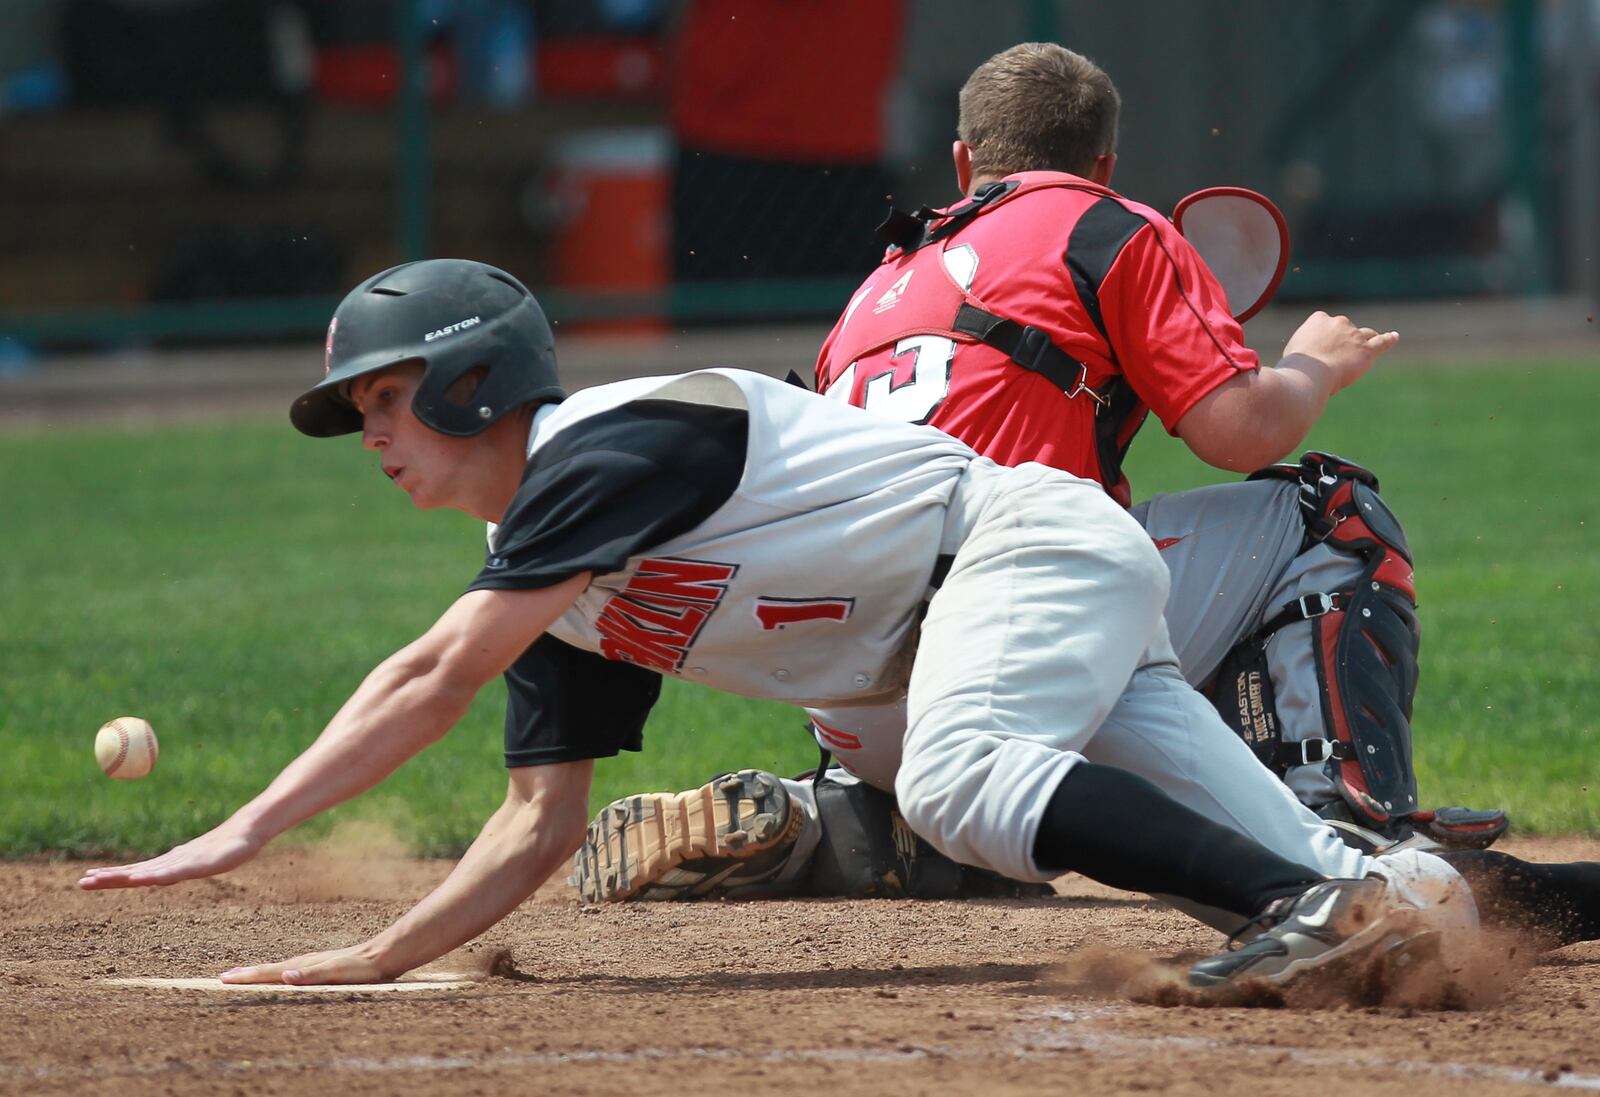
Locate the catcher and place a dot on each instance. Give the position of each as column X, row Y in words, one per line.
column 1042, row 319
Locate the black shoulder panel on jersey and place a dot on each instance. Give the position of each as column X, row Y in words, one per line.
column 613, row 485
column 1097, row 239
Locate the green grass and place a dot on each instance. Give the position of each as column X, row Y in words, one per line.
column 233, row 585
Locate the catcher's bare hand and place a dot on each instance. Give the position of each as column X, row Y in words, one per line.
column 340, row 965
column 1347, row 350
column 213, row 852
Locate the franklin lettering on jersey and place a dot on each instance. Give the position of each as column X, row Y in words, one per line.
column 658, row 615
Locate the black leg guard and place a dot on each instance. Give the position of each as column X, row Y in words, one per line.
column 1364, row 643
column 1364, row 640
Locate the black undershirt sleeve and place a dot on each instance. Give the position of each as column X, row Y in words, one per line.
column 602, row 490
column 564, row 704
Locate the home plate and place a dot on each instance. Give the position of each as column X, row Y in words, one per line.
column 438, row 980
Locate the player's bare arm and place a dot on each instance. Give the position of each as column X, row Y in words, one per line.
column 1258, row 418
column 411, row 700
column 535, row 831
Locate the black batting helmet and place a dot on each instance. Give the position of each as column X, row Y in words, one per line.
column 453, row 316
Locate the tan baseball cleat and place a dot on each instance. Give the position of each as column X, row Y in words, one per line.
column 734, row 833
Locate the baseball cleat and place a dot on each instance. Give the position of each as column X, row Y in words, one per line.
column 735, row 831
column 1462, row 828
column 1337, row 923
column 1441, row 828
column 1373, row 843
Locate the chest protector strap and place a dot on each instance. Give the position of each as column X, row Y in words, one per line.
column 1025, row 345
column 912, row 231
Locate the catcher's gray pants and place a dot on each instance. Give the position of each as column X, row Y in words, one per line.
column 1234, row 554
column 1046, row 645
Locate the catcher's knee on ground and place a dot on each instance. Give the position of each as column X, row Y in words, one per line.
column 869, row 851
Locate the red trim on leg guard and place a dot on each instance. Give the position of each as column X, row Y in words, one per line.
column 1325, row 645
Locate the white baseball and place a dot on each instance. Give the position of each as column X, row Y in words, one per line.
column 126, row 748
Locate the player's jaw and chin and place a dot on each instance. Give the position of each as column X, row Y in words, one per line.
column 436, row 470
column 407, row 451
column 427, row 466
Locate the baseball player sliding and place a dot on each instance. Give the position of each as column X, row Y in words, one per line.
column 1041, row 319
column 725, row 528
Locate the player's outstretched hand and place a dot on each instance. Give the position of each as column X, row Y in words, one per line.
column 340, row 965
column 1347, row 350
column 213, row 852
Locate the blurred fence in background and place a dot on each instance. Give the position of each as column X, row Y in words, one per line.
column 192, row 170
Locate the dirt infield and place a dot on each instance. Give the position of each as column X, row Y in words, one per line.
column 805, row 996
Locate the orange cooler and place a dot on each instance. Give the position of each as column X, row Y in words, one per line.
column 612, row 190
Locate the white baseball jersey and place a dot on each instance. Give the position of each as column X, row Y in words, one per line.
column 807, row 583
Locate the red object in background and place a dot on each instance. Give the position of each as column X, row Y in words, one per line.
column 589, row 68
column 788, row 81
column 370, row 74
column 610, row 189
column 599, row 68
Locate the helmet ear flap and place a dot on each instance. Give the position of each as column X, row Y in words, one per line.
column 456, row 401
column 459, row 393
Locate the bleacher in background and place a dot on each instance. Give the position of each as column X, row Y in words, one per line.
column 176, row 169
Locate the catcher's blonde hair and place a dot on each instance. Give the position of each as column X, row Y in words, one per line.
column 1038, row 107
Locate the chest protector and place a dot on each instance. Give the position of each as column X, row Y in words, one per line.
column 941, row 306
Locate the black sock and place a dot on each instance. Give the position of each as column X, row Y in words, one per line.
column 1119, row 829
column 1561, row 901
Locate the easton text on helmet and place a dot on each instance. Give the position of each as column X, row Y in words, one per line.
column 451, row 329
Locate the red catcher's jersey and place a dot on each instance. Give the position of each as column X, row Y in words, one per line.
column 1111, row 282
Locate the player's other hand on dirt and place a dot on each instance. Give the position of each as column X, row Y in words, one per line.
column 214, row 852
column 341, row 965
column 1347, row 350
